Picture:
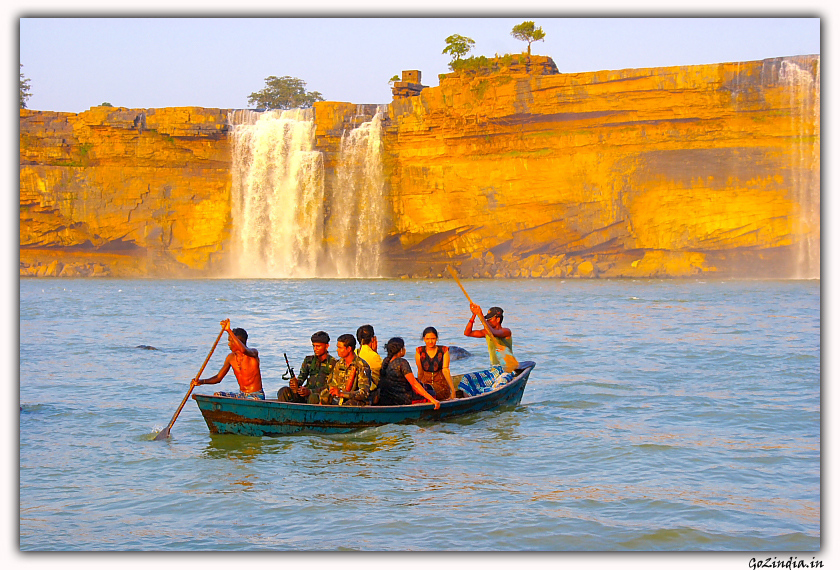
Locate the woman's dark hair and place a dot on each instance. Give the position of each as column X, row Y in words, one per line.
column 428, row 330
column 394, row 346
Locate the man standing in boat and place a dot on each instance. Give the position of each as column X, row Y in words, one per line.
column 502, row 340
column 349, row 382
column 307, row 386
column 245, row 363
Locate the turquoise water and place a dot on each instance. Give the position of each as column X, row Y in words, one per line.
column 662, row 415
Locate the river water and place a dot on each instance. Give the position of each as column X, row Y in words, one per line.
column 661, row 415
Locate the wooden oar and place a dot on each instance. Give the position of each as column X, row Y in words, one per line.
column 511, row 363
column 164, row 433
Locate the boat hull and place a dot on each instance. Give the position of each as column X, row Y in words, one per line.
column 272, row 417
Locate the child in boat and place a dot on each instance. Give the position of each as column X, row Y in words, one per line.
column 433, row 365
column 245, row 363
column 397, row 385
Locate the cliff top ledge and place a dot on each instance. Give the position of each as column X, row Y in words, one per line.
column 514, row 64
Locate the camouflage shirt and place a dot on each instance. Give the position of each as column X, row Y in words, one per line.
column 361, row 384
column 314, row 372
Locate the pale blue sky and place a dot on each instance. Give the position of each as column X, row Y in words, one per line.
column 76, row 63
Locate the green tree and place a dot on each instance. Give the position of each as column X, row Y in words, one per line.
column 457, row 47
column 528, row 32
column 284, row 93
column 394, row 79
column 105, row 104
column 24, row 89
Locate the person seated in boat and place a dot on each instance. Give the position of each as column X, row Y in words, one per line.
column 493, row 318
column 312, row 377
column 349, row 382
column 433, row 365
column 245, row 363
column 367, row 351
column 397, row 384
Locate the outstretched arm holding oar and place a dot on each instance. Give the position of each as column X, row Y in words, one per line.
column 498, row 331
column 493, row 330
column 244, row 360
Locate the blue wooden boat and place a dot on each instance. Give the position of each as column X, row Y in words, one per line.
column 272, row 417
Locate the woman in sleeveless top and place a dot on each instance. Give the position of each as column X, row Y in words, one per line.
column 397, row 385
column 433, row 365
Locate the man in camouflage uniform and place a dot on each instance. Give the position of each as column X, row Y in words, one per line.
column 348, row 365
column 312, row 379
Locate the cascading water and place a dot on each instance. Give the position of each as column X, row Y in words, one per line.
column 288, row 221
column 277, row 194
column 356, row 225
column 804, row 89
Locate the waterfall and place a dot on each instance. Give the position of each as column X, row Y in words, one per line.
column 356, row 225
column 804, row 92
column 291, row 217
column 277, row 195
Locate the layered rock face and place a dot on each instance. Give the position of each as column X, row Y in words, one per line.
column 635, row 173
column 123, row 192
column 510, row 170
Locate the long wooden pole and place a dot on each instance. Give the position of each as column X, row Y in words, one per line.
column 511, row 363
column 164, row 433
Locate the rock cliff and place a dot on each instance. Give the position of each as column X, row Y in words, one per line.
column 123, row 192
column 510, row 169
column 635, row 173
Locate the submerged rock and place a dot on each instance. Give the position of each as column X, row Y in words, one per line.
column 146, row 347
column 458, row 353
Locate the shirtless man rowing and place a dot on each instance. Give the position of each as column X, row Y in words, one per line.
column 245, row 363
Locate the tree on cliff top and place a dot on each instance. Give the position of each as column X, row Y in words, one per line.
column 457, row 47
column 528, row 32
column 284, row 93
column 24, row 89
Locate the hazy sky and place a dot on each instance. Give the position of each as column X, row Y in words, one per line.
column 76, row 63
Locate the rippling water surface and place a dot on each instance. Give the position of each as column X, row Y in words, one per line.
column 661, row 415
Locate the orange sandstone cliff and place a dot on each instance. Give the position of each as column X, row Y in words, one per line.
column 122, row 192
column 513, row 170
column 643, row 172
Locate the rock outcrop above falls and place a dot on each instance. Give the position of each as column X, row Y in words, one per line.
column 509, row 170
